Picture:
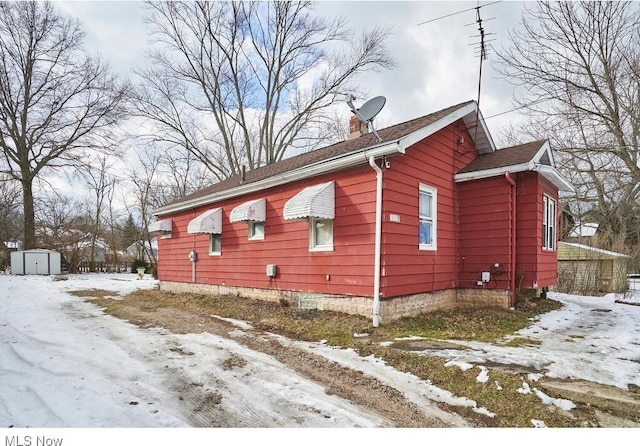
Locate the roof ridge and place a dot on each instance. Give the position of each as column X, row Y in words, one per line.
column 389, row 134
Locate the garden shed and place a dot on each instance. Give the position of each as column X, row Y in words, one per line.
column 36, row 261
column 583, row 269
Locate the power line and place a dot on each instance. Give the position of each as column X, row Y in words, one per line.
column 459, row 12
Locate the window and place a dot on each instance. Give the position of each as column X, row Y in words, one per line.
column 215, row 244
column 165, row 234
column 548, row 223
column 427, row 218
column 320, row 234
column 256, row 230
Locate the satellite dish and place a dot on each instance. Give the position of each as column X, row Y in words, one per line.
column 368, row 111
column 371, row 108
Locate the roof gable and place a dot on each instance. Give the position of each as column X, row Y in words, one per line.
column 520, row 155
column 532, row 156
column 395, row 139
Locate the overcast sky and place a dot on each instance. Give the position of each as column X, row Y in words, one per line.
column 436, row 61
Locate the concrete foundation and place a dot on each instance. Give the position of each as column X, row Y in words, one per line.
column 390, row 308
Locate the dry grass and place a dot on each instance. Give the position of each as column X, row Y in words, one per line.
column 498, row 395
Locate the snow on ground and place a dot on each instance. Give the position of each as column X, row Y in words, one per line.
column 66, row 364
column 591, row 338
column 63, row 363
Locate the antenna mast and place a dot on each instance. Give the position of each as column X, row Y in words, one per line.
column 481, row 46
column 483, row 56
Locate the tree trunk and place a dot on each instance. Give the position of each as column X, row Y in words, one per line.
column 29, row 215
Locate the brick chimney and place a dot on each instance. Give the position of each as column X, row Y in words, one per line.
column 357, row 128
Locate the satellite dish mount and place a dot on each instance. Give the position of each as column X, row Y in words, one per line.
column 368, row 111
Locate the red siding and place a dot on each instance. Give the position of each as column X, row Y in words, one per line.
column 286, row 243
column 485, row 232
column 433, row 162
column 474, row 231
column 540, row 267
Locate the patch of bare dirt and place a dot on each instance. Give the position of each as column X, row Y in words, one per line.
column 346, row 383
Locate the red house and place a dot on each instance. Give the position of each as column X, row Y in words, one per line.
column 431, row 217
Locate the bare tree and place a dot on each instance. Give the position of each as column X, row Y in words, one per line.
column 148, row 193
column 62, row 225
column 579, row 66
column 241, row 83
column 56, row 102
column 10, row 217
column 101, row 184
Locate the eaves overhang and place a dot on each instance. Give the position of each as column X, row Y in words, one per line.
column 552, row 174
column 548, row 172
column 471, row 116
column 386, row 148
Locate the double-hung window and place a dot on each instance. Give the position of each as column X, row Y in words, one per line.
column 548, row 223
column 427, row 235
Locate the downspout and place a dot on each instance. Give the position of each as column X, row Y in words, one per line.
column 512, row 285
column 192, row 255
column 378, row 242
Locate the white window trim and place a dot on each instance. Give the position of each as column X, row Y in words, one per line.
column 211, row 252
column 312, row 234
column 548, row 202
column 434, row 219
column 165, row 234
column 251, row 230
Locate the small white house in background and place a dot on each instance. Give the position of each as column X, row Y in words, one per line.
column 584, row 230
column 36, row 261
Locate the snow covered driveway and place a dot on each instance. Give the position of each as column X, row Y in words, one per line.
column 63, row 363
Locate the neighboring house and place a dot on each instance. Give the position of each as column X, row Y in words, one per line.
column 100, row 251
column 582, row 230
column 144, row 250
column 590, row 271
column 432, row 217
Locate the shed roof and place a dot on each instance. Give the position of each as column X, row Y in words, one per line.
column 578, row 251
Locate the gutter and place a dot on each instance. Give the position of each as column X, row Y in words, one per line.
column 322, row 167
column 378, row 242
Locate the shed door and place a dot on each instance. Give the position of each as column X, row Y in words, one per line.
column 36, row 263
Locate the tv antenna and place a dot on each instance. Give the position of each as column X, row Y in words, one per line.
column 480, row 46
column 368, row 111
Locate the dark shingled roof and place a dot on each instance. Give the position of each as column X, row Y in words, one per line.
column 388, row 134
column 509, row 156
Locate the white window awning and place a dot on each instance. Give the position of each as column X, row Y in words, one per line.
column 161, row 225
column 253, row 210
column 314, row 201
column 209, row 222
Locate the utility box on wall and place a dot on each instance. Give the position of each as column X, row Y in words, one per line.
column 272, row 270
column 36, row 261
